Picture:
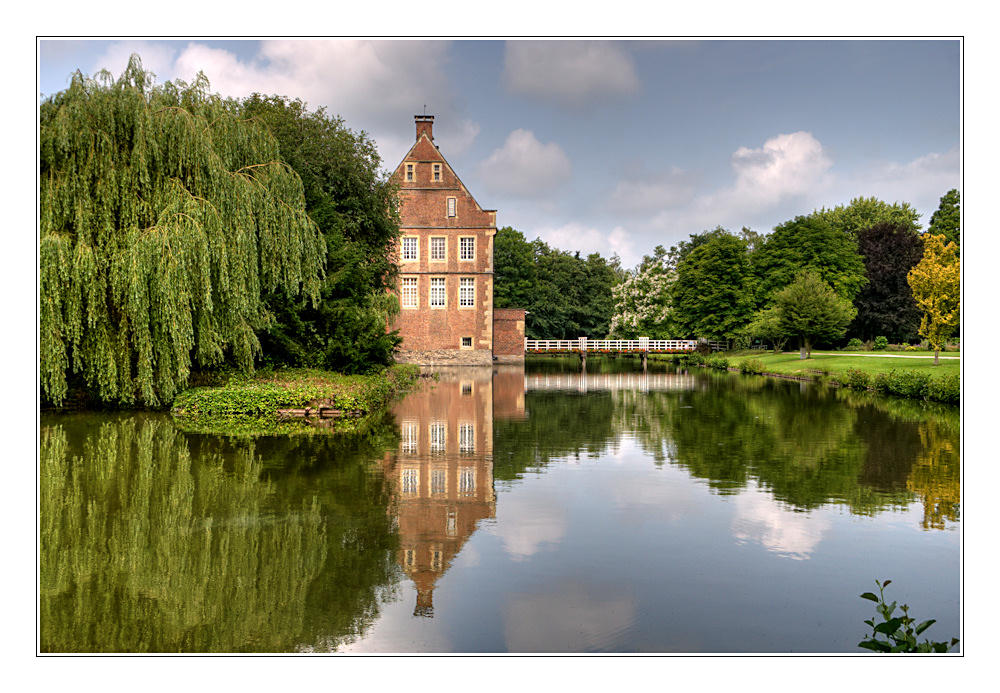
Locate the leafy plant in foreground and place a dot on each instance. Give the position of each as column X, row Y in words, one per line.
column 897, row 632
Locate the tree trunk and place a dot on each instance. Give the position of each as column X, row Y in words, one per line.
column 936, row 352
column 805, row 349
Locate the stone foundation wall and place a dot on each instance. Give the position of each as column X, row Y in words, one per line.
column 446, row 357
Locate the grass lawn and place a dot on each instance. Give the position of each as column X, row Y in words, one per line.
column 834, row 363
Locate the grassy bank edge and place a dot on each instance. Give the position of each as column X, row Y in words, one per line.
column 250, row 402
column 910, row 378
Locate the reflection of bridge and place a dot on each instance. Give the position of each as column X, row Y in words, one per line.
column 636, row 382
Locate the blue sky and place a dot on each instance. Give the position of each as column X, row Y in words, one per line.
column 614, row 146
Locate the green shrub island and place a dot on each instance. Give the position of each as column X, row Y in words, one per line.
column 947, row 389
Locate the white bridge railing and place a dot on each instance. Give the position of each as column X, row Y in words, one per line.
column 615, row 346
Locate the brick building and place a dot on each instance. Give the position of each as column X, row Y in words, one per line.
column 446, row 265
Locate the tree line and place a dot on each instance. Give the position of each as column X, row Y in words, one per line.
column 862, row 270
column 181, row 231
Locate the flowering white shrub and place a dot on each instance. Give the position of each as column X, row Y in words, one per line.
column 642, row 303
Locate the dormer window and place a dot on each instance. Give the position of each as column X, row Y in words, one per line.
column 437, row 173
column 409, row 172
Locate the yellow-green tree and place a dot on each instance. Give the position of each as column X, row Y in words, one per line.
column 936, row 283
column 164, row 219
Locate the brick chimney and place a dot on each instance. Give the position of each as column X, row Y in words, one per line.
column 425, row 123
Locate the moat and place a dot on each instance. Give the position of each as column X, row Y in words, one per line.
column 509, row 510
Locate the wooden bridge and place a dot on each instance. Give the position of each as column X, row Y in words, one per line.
column 641, row 346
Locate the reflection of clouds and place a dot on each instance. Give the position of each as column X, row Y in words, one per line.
column 758, row 519
column 527, row 520
column 572, row 620
column 398, row 630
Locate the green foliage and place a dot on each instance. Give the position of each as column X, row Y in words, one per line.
column 897, row 633
column 809, row 309
column 946, row 388
column 947, row 220
column 854, row 345
column 880, row 344
column 766, row 325
column 264, row 392
column 906, row 383
column 713, row 294
column 566, row 296
column 514, row 274
column 856, row 379
column 355, row 206
column 719, row 363
column 865, row 212
column 886, row 304
column 164, row 219
column 808, row 244
column 936, row 282
column 752, row 367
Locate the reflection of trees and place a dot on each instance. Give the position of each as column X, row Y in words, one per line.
column 805, row 447
column 936, row 477
column 808, row 445
column 557, row 424
column 154, row 542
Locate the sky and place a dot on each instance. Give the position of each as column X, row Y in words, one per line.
column 609, row 146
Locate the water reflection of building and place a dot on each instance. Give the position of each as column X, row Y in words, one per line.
column 442, row 474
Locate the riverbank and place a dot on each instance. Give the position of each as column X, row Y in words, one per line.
column 291, row 400
column 913, row 377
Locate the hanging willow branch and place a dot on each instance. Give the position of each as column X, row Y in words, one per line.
column 164, row 218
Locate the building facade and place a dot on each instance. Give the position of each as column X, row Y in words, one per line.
column 445, row 260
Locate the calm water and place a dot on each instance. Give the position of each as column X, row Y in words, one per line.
column 509, row 510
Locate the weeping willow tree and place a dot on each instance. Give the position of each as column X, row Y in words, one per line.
column 164, row 219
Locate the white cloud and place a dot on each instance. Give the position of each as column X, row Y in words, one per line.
column 787, row 165
column 577, row 237
column 789, row 172
column 376, row 86
column 526, row 167
column 568, row 72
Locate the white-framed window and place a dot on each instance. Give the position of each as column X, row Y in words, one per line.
column 408, row 293
column 467, row 481
column 438, row 247
column 452, row 206
column 437, row 559
column 467, row 248
column 439, row 481
column 466, row 295
column 437, row 172
column 452, row 523
column 409, row 172
column 466, row 344
column 439, row 436
column 466, row 385
column 467, row 437
column 410, row 558
column 409, row 481
column 409, row 432
column 437, row 293
column 410, row 248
